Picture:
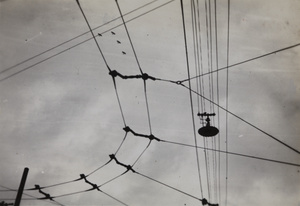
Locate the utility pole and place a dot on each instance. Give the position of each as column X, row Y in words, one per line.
column 21, row 187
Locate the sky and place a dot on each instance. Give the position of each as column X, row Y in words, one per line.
column 60, row 114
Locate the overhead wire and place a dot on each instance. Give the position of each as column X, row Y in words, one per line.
column 190, row 95
column 129, row 167
column 245, row 121
column 67, row 182
column 76, row 37
column 243, row 62
column 218, row 102
column 128, row 35
column 169, row 186
column 84, row 191
column 82, row 176
column 144, row 77
column 91, row 31
column 117, row 96
column 32, row 197
column 221, row 151
column 202, row 90
column 71, row 47
column 72, row 193
column 210, row 89
column 123, row 140
column 196, row 52
column 201, row 68
column 226, row 106
column 233, row 153
column 138, row 63
column 142, row 153
column 54, row 185
column 194, row 129
column 119, row 101
column 213, row 139
column 150, row 137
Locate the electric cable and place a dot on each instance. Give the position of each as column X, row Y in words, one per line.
column 200, row 54
column 118, row 99
column 245, row 121
column 104, row 59
column 69, row 48
column 32, row 197
column 234, row 153
column 129, row 167
column 227, row 90
column 74, row 193
column 142, row 153
column 123, row 140
column 67, row 182
column 138, row 63
column 196, row 55
column 129, row 38
column 190, row 95
column 91, row 31
column 206, row 157
column 210, row 88
column 164, row 184
column 190, row 90
column 69, row 40
column 147, row 106
column 244, row 61
column 82, row 176
column 201, row 79
column 99, row 167
column 218, row 102
column 114, row 198
column 112, row 179
column 213, row 139
column 54, row 185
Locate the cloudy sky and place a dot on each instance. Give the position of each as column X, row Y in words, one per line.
column 60, row 116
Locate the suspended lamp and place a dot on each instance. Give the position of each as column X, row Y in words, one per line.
column 208, row 130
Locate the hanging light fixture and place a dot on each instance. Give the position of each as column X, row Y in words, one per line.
column 208, row 130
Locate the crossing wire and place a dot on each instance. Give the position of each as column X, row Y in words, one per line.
column 129, row 167
column 216, row 150
column 76, row 37
column 227, row 152
column 69, row 48
column 233, row 153
column 242, row 62
column 240, row 118
column 32, row 197
column 120, row 109
column 84, row 191
column 138, row 63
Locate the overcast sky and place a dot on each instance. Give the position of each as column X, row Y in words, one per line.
column 60, row 117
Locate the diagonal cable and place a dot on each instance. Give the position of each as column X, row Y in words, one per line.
column 245, row 61
column 69, row 48
column 245, row 121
